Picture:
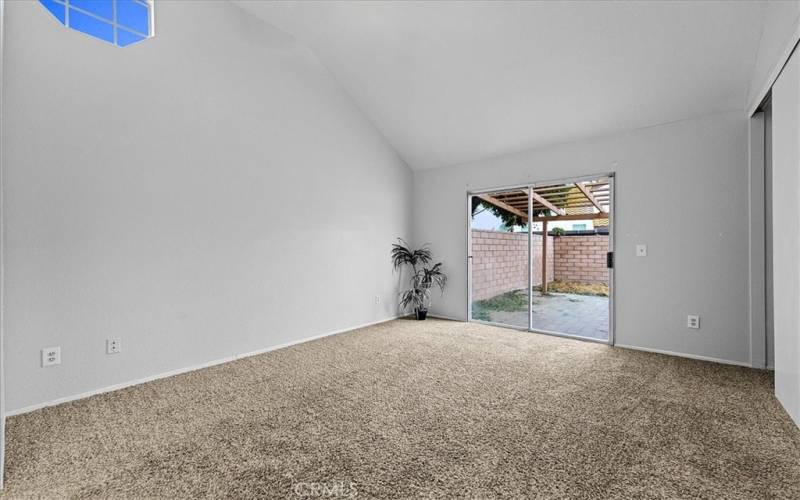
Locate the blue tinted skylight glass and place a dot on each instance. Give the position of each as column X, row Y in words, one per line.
column 91, row 26
column 100, row 8
column 125, row 37
column 134, row 15
column 55, row 8
column 121, row 22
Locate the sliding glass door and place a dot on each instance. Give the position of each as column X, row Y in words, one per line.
column 540, row 257
column 500, row 246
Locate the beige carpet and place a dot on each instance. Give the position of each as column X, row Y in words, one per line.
column 430, row 409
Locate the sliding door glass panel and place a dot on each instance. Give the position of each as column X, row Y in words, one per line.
column 499, row 257
column 570, row 243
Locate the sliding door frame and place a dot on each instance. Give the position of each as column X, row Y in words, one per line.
column 530, row 186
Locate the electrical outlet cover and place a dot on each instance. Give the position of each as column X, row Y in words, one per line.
column 693, row 321
column 113, row 346
column 51, row 356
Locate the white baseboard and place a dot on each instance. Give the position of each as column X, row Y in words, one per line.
column 685, row 355
column 192, row 368
column 646, row 349
column 228, row 359
column 637, row 348
column 449, row 318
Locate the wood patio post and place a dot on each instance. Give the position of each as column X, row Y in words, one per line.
column 544, row 257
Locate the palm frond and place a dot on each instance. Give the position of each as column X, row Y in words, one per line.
column 416, row 297
column 402, row 255
column 423, row 255
column 427, row 278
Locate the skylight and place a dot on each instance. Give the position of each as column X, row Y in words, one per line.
column 121, row 22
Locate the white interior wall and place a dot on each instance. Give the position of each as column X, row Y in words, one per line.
column 209, row 192
column 681, row 188
column 786, row 235
column 780, row 28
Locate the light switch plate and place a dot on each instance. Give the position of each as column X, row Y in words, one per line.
column 51, row 356
column 641, row 250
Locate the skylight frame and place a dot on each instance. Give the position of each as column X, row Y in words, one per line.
column 113, row 23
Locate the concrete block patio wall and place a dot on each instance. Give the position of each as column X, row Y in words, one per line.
column 499, row 261
column 581, row 258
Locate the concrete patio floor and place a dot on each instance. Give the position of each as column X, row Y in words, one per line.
column 581, row 315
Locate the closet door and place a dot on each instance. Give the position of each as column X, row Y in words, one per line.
column 2, row 277
column 786, row 234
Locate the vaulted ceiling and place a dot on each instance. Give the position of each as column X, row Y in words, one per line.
column 451, row 82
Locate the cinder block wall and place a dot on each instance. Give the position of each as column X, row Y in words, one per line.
column 500, row 262
column 581, row 258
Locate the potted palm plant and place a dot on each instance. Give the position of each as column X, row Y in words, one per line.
column 423, row 278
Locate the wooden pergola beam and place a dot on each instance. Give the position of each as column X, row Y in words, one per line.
column 542, row 200
column 505, row 206
column 556, row 198
column 589, row 196
column 543, row 287
column 564, row 197
column 572, row 217
column 561, row 188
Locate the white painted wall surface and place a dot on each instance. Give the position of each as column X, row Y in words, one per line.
column 786, row 234
column 681, row 188
column 206, row 193
column 781, row 20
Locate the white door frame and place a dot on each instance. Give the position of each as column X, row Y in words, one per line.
column 611, row 271
column 757, row 242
